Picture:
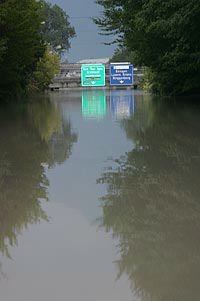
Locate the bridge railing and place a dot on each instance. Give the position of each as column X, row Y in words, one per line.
column 70, row 75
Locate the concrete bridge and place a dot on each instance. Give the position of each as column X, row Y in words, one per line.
column 70, row 77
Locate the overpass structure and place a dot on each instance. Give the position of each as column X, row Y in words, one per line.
column 70, row 76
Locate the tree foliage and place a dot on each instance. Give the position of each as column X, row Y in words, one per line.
column 164, row 35
column 22, row 44
column 56, row 29
column 122, row 55
column 26, row 29
column 46, row 69
column 2, row 37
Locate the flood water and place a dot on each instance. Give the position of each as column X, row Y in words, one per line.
column 100, row 198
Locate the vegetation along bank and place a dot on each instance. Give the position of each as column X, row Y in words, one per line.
column 33, row 36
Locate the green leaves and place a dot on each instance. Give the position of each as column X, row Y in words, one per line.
column 162, row 35
column 26, row 29
column 24, row 44
column 57, row 30
column 46, row 69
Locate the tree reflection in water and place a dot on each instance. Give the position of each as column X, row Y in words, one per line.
column 53, row 129
column 32, row 136
column 152, row 204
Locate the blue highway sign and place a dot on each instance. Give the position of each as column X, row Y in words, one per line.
column 121, row 74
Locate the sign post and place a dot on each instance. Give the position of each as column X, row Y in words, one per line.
column 93, row 75
column 121, row 74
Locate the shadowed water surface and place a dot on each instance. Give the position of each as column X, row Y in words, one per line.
column 99, row 198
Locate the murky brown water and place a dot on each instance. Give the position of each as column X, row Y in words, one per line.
column 100, row 198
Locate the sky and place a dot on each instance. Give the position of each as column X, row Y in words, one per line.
column 88, row 43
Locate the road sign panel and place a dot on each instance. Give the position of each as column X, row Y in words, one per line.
column 93, row 75
column 121, row 74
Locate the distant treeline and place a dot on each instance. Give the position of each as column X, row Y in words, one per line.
column 162, row 35
column 33, row 34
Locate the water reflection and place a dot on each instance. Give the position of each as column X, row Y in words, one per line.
column 152, row 203
column 53, row 129
column 94, row 103
column 45, row 117
column 32, row 137
column 121, row 103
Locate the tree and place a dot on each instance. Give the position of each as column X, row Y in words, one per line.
column 24, row 45
column 122, row 55
column 27, row 27
column 56, row 29
column 163, row 35
column 2, row 39
column 46, row 69
column 2, row 49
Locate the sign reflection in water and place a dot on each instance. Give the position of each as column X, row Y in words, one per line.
column 94, row 103
column 121, row 103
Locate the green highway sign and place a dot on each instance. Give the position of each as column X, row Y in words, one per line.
column 93, row 75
